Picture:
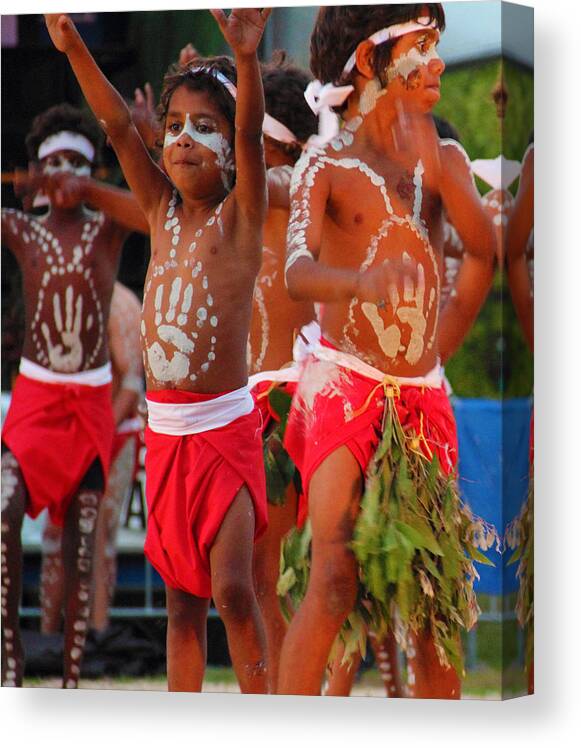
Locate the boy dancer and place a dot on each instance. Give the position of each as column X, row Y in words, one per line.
column 205, row 481
column 379, row 356
column 57, row 436
column 276, row 321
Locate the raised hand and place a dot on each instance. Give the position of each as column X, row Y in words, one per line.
column 143, row 114
column 243, row 28
column 188, row 54
column 62, row 31
column 64, row 190
column 70, row 333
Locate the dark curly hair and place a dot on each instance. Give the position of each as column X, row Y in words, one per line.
column 63, row 117
column 340, row 29
column 200, row 80
column 284, row 97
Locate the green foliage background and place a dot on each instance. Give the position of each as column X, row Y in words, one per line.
column 494, row 361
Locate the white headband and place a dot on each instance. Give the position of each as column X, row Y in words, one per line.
column 220, row 77
column 393, row 32
column 67, row 141
column 270, row 126
column 321, row 98
column 277, row 131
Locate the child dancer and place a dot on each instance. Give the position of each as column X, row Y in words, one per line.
column 205, row 481
column 377, row 259
column 57, row 437
column 276, row 321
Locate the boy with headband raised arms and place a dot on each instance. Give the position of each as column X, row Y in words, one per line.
column 376, row 263
column 205, row 480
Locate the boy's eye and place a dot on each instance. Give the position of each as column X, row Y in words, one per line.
column 204, row 128
column 175, row 127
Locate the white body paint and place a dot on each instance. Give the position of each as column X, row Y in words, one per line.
column 174, row 322
column 214, row 141
column 66, row 352
column 415, row 316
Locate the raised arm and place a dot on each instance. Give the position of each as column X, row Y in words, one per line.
column 242, row 30
column 518, row 231
column 465, row 212
column 148, row 183
column 121, row 206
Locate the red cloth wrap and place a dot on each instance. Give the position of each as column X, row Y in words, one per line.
column 190, row 483
column 313, row 433
column 55, row 432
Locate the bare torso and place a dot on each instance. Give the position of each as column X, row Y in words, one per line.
column 69, row 264
column 197, row 302
column 380, row 210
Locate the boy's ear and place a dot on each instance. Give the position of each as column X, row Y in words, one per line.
column 364, row 59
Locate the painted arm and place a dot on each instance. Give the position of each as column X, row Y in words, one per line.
column 121, row 206
column 518, row 230
column 476, row 232
column 145, row 179
column 306, row 278
column 243, row 29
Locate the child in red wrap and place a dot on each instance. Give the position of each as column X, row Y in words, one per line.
column 204, row 473
column 57, row 437
column 365, row 238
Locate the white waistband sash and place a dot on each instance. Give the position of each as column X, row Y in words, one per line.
column 432, row 379
column 90, row 378
column 308, row 337
column 286, row 374
column 181, row 419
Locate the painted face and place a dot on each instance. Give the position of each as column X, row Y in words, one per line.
column 415, row 69
column 70, row 162
column 197, row 143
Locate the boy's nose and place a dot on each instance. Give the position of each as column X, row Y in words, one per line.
column 437, row 66
column 185, row 141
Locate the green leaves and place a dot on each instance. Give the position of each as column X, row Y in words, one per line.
column 280, row 469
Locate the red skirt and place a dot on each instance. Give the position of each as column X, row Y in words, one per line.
column 190, row 483
column 55, row 432
column 322, row 420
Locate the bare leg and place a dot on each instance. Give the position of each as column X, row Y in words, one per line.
column 385, row 651
column 52, row 586
column 266, row 571
column 334, row 494
column 427, row 678
column 13, row 507
column 342, row 677
column 231, row 560
column 105, row 563
column 78, row 549
column 186, row 640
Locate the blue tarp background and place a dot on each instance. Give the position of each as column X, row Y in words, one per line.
column 493, row 438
